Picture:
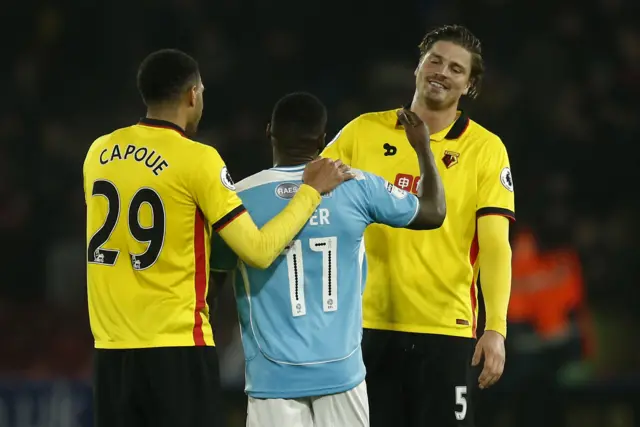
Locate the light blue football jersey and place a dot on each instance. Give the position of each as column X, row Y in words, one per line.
column 301, row 318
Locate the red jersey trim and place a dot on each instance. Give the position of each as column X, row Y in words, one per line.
column 473, row 256
column 496, row 211
column 200, row 277
column 228, row 218
column 161, row 124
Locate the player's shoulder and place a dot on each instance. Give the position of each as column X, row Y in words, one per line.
column 362, row 182
column 98, row 142
column 127, row 133
column 483, row 137
column 112, row 136
column 203, row 154
column 252, row 181
column 364, row 125
column 202, row 149
column 103, row 141
column 360, row 175
column 377, row 118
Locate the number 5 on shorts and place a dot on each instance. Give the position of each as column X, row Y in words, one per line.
column 461, row 400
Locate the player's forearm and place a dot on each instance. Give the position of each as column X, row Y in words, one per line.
column 433, row 206
column 495, row 268
column 259, row 248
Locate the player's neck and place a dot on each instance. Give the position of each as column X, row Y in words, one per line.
column 168, row 115
column 287, row 160
column 436, row 120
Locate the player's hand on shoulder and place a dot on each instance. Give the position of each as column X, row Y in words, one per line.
column 416, row 130
column 325, row 174
column 490, row 347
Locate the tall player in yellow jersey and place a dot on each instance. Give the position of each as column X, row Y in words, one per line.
column 154, row 198
column 420, row 303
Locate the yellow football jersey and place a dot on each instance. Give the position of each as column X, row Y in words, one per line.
column 425, row 281
column 153, row 198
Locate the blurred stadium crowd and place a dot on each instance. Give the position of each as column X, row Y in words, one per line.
column 561, row 90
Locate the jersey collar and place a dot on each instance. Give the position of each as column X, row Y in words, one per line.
column 162, row 124
column 453, row 131
column 297, row 168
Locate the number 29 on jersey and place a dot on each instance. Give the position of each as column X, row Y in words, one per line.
column 153, row 236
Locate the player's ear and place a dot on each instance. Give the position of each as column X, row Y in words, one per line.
column 467, row 87
column 415, row 72
column 268, row 132
column 193, row 96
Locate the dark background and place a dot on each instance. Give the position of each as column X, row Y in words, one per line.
column 561, row 91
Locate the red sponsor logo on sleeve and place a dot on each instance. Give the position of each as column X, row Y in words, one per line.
column 407, row 182
column 404, row 181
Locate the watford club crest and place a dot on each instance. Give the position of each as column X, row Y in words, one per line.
column 450, row 158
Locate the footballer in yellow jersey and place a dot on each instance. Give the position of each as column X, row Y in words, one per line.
column 154, row 198
column 420, row 302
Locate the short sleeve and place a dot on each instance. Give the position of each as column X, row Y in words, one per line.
column 222, row 257
column 214, row 191
column 495, row 182
column 342, row 145
column 389, row 204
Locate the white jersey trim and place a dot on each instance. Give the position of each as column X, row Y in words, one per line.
column 269, row 176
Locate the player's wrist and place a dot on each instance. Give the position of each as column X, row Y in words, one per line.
column 424, row 150
column 310, row 191
column 499, row 332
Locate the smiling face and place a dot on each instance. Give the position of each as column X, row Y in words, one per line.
column 444, row 75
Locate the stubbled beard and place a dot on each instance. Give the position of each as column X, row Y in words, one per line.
column 434, row 104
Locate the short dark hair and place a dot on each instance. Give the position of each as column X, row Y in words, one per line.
column 463, row 37
column 298, row 117
column 165, row 74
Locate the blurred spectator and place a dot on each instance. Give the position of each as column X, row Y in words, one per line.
column 549, row 328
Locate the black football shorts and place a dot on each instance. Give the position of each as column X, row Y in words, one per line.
column 163, row 387
column 418, row 380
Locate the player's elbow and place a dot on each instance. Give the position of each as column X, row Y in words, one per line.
column 261, row 257
column 430, row 216
column 258, row 261
column 434, row 217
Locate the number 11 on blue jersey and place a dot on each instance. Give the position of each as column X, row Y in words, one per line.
column 327, row 247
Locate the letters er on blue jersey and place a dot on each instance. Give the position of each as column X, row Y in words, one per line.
column 301, row 318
